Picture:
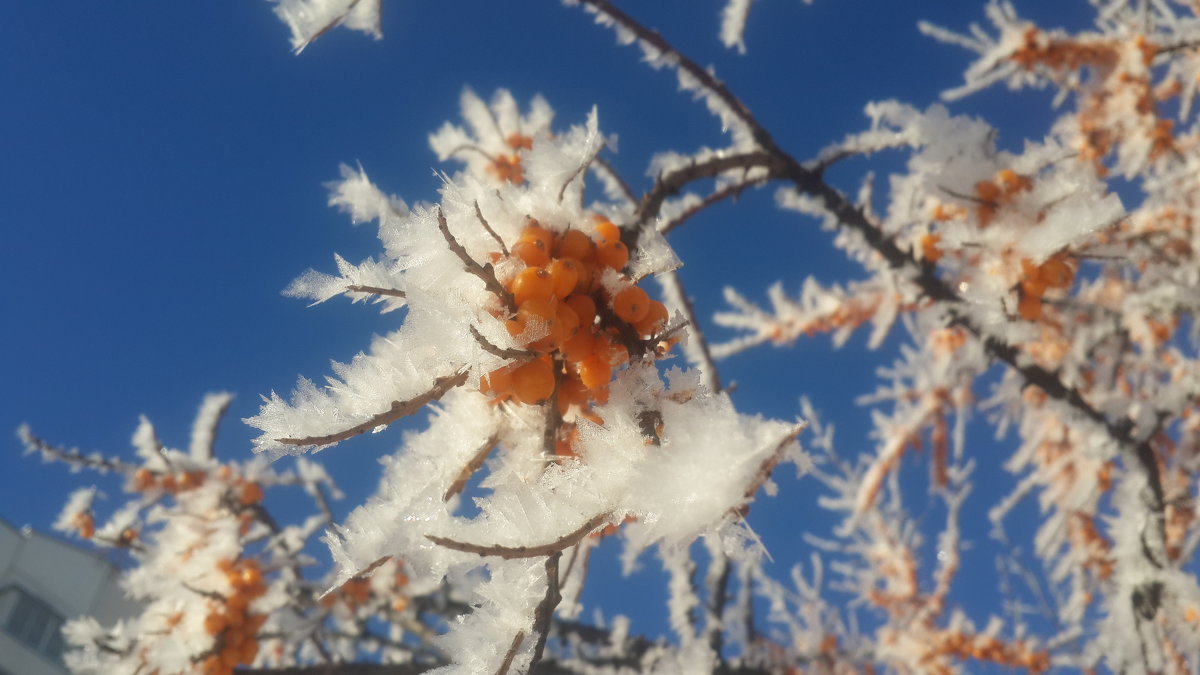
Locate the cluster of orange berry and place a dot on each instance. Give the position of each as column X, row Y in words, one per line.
column 356, row 592
column 1056, row 272
column 232, row 625
column 507, row 167
column 577, row 328
column 983, row 648
column 992, row 194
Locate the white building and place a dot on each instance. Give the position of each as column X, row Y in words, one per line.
column 44, row 582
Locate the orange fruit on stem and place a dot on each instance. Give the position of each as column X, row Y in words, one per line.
column 631, row 304
column 612, row 254
column 532, row 283
column 533, row 382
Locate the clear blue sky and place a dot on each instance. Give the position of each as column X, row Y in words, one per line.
column 161, row 168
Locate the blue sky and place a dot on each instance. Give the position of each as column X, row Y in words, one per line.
column 162, row 169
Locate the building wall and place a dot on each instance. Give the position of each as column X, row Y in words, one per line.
column 64, row 579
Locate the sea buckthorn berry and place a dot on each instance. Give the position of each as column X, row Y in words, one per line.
column 578, row 347
column 631, row 304
column 576, row 244
column 585, row 308
column 606, row 230
column 987, row 191
column 535, row 232
column 1056, row 272
column 566, row 324
column 1030, row 307
column 594, row 371
column 929, row 247
column 613, row 254
column 655, row 320
column 532, row 283
column 143, row 480
column 532, row 252
column 214, row 623
column 564, row 272
column 497, row 382
column 518, row 142
column 533, row 382
column 251, row 493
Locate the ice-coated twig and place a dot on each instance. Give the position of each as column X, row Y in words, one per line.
column 487, row 226
column 398, row 410
column 544, row 612
column 376, row 290
column 511, row 653
column 671, row 183
column 697, row 346
column 469, row 264
column 476, row 461
column 715, row 197
column 535, row 551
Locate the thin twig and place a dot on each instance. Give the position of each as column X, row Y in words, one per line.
column 512, row 653
column 376, row 290
column 469, row 264
column 502, row 352
column 545, row 609
column 398, row 410
column 514, row 552
column 582, row 167
column 487, row 226
column 620, row 180
column 671, row 183
column 472, row 465
column 717, row 196
column 677, row 296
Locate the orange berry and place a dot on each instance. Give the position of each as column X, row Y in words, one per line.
column 655, row 320
column 400, row 604
column 578, row 347
column 532, row 283
column 1056, row 272
column 87, row 526
column 251, row 493
column 254, row 623
column 214, row 623
column 533, row 382
column 585, row 308
column 498, row 382
column 566, row 324
column 250, row 577
column 518, row 142
column 168, row 483
column 564, row 272
column 143, row 480
column 613, row 254
column 631, row 304
column 535, row 232
column 1030, row 307
column 236, row 605
column 606, row 230
column 987, row 191
column 929, row 247
column 576, row 244
column 532, row 251
column 594, row 371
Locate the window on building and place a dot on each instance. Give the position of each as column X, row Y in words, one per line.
column 31, row 622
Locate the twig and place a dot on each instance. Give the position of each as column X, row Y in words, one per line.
column 487, row 226
column 469, row 264
column 535, row 551
column 545, row 609
column 677, row 296
column 715, row 197
column 398, row 410
column 502, row 352
column 512, row 653
column 578, row 171
column 470, row 468
column 376, row 290
column 620, row 180
column 671, row 183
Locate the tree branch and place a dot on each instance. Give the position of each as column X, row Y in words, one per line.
column 536, row 551
column 398, row 410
